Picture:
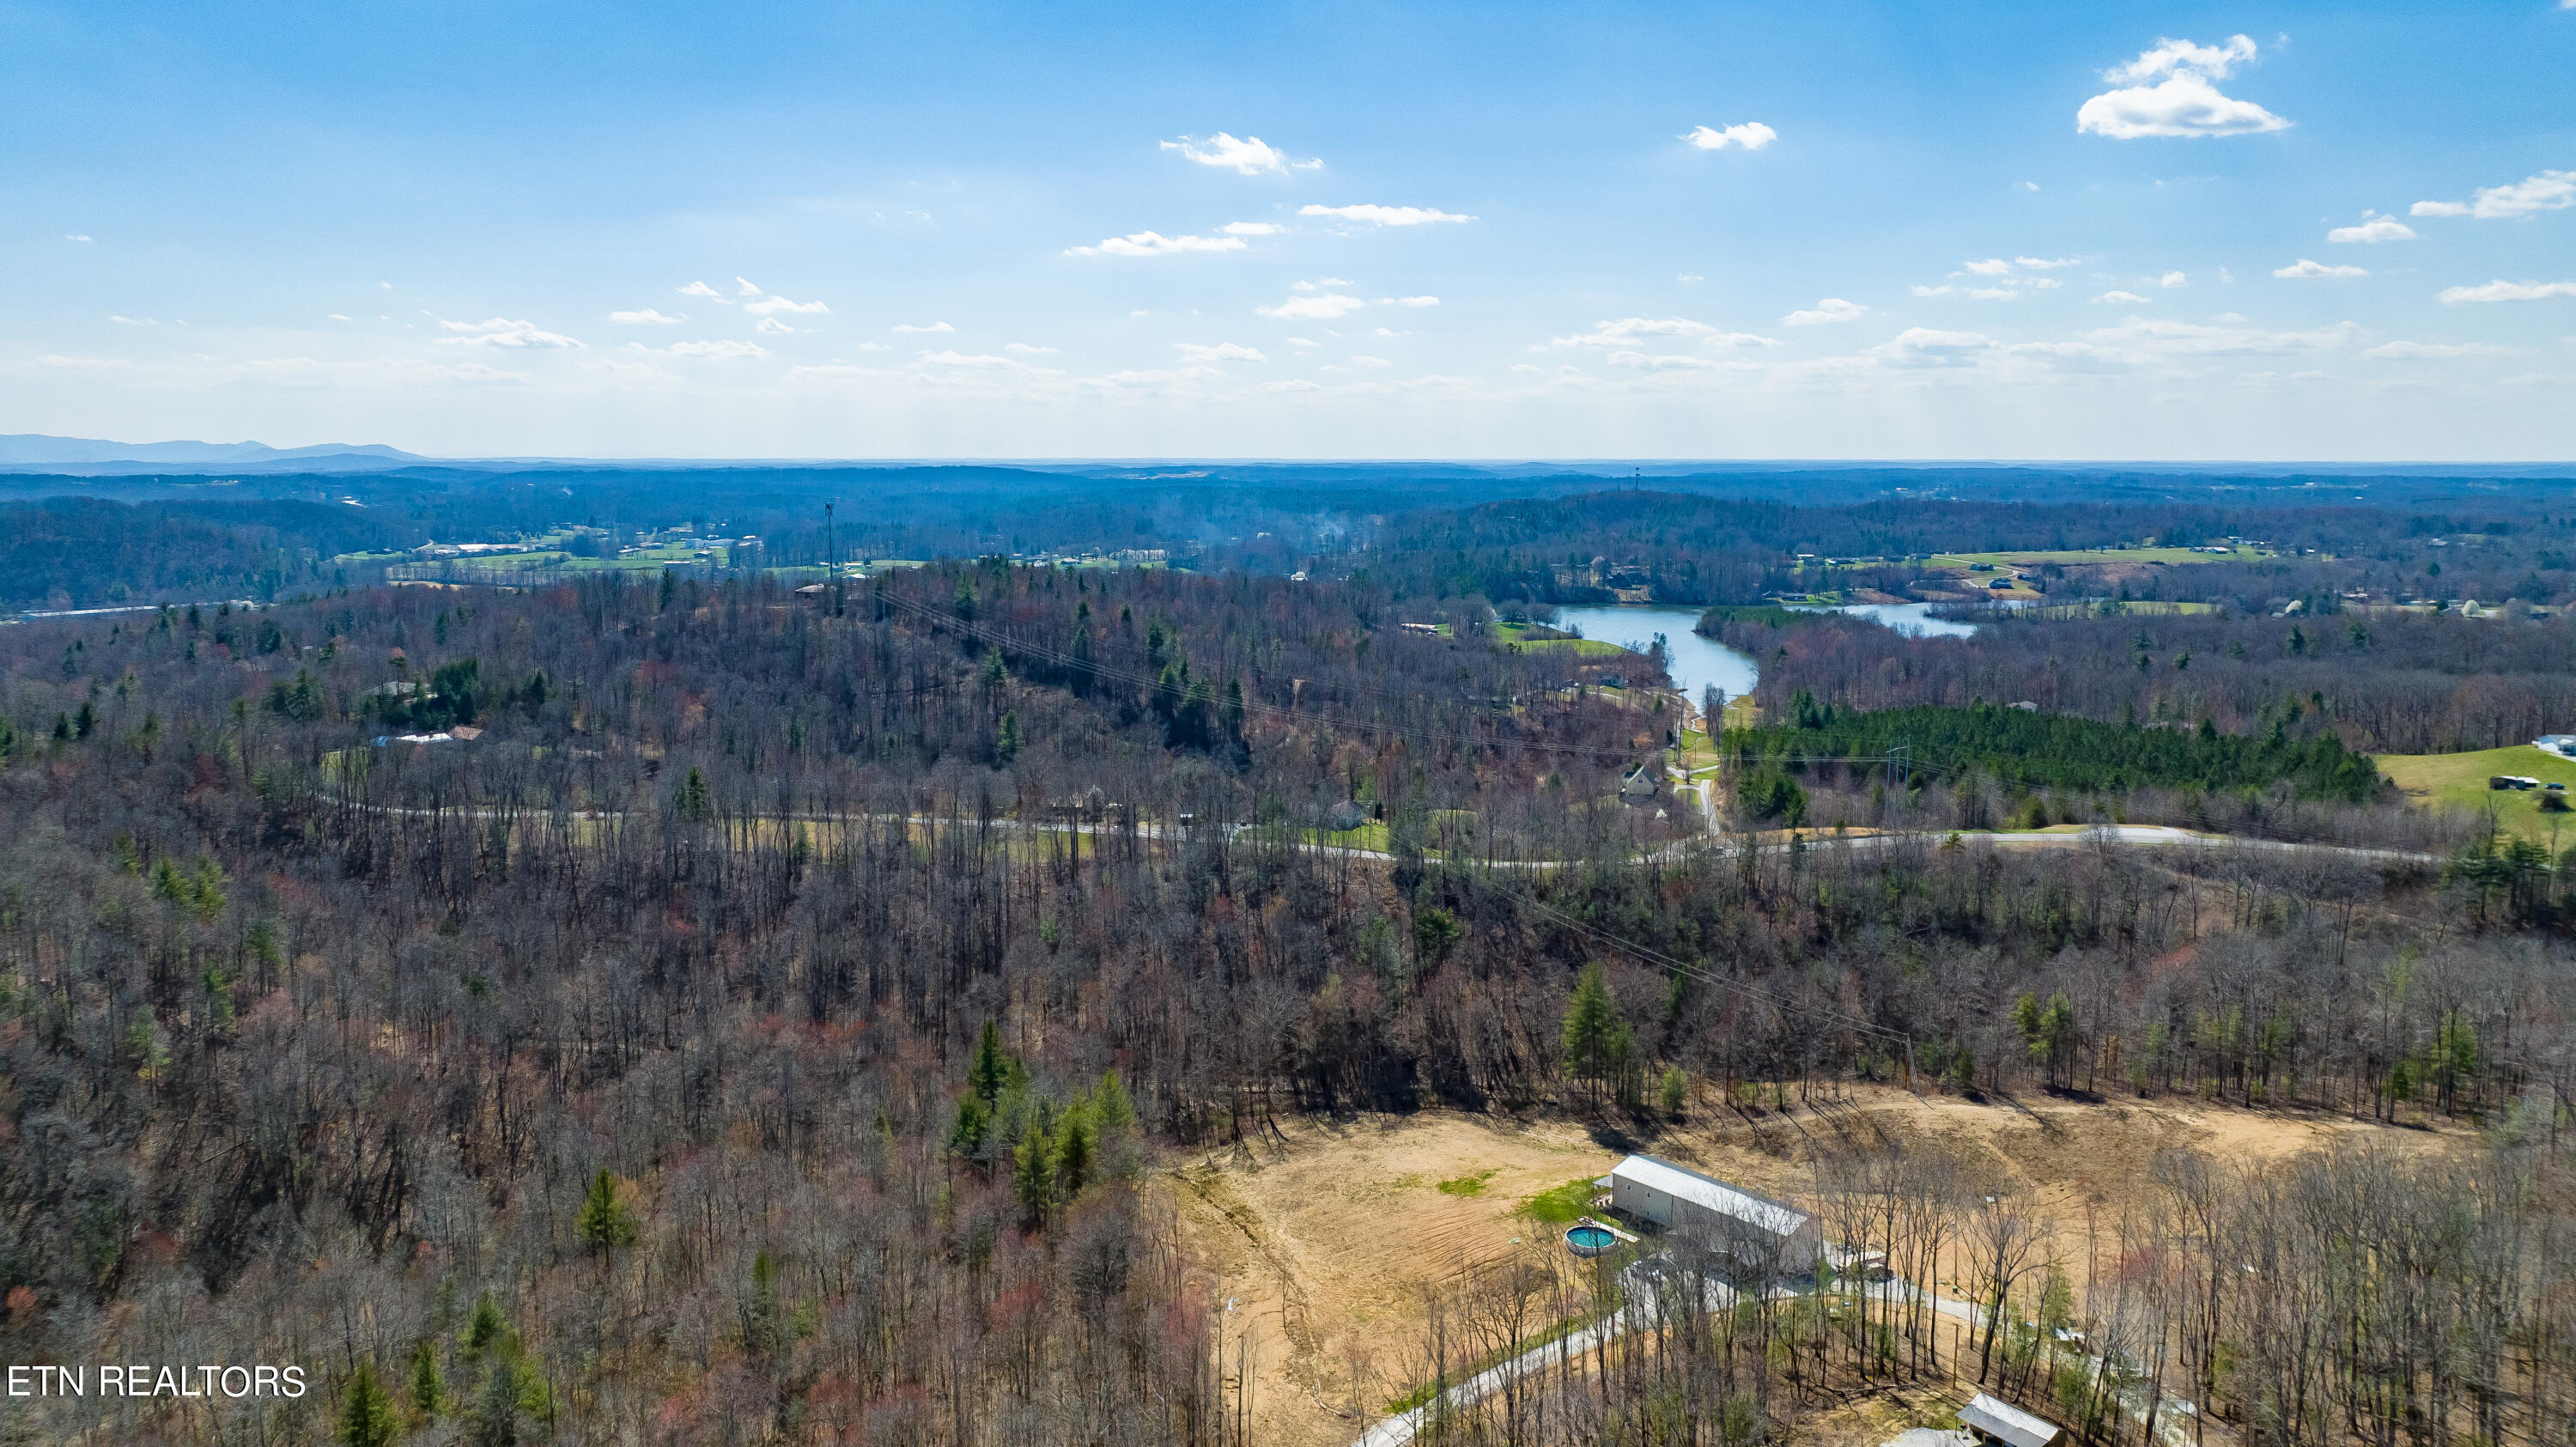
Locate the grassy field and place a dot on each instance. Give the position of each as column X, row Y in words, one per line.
column 2459, row 781
column 1515, row 635
column 1321, row 1237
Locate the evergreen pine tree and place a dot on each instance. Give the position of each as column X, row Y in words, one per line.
column 764, row 1323
column 1594, row 1033
column 366, row 1411
column 988, row 1072
column 487, row 1329
column 1075, row 1149
column 427, row 1387
column 974, row 1121
column 606, row 1222
column 1032, row 1172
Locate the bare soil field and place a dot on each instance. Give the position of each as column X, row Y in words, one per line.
column 1318, row 1243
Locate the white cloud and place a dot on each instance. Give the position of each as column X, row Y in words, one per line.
column 2509, row 291
column 772, row 326
column 1293, row 384
column 502, row 332
column 1831, row 309
column 1416, row 301
column 1372, row 362
column 1631, row 332
column 986, row 362
column 2030, row 185
column 1924, row 347
column 2431, row 351
column 1221, row 352
column 1384, row 215
column 2047, row 283
column 76, row 236
column 2173, row 279
column 723, row 351
column 745, row 286
column 144, row 321
column 2373, row 228
column 1687, row 277
column 2306, row 270
column 2184, row 99
column 338, row 317
column 1992, row 266
column 1751, row 136
column 1321, row 283
column 1301, row 341
column 773, row 305
column 1669, row 362
column 1250, row 156
column 648, row 317
column 1313, row 308
column 2548, row 191
column 2042, row 263
column 1154, row 243
column 2129, row 297
column 933, row 327
column 1252, row 228
column 1027, row 350
column 1994, row 293
column 695, row 288
column 2170, row 338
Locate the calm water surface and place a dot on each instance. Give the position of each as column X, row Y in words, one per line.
column 1693, row 661
column 1696, row 662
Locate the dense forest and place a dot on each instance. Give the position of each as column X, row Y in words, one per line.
column 2383, row 682
column 761, row 1016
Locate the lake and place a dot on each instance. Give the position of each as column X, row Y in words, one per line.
column 1693, row 661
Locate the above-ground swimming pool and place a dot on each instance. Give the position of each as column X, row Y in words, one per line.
column 1589, row 1240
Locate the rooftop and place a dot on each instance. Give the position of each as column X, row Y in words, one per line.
column 2006, row 1422
column 1684, row 1184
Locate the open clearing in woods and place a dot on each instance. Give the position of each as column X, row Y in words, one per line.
column 1318, row 1247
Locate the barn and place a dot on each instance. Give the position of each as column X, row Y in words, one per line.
column 1756, row 1230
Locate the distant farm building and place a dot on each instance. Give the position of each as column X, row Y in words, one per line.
column 1756, row 1230
column 1995, row 1421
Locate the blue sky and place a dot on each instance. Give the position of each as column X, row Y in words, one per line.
column 1491, row 230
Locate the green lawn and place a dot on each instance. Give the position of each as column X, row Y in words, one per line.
column 1561, row 1205
column 1514, row 635
column 2459, row 781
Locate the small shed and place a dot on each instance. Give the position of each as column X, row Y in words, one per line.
column 1996, row 1421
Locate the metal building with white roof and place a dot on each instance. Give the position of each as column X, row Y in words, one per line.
column 1755, row 1229
column 1998, row 1421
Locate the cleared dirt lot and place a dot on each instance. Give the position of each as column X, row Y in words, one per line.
column 1319, row 1244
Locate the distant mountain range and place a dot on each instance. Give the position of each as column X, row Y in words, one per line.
column 36, row 453
column 34, row 450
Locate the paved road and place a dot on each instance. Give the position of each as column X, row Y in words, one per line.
column 2162, row 836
